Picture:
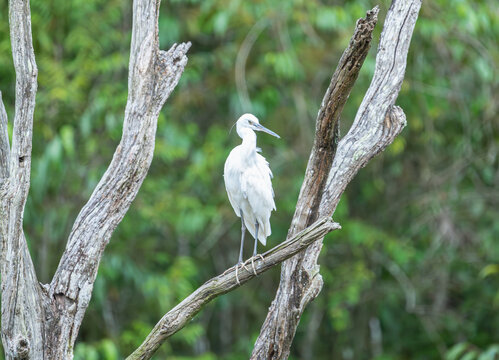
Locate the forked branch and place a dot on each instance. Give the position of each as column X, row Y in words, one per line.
column 376, row 125
column 180, row 315
column 153, row 74
column 22, row 314
column 279, row 326
column 43, row 321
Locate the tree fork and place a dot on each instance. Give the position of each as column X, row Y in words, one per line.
column 42, row 321
column 376, row 125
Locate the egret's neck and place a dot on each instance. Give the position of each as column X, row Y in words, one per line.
column 249, row 140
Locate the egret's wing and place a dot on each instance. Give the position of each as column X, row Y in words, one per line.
column 257, row 186
column 233, row 203
column 233, row 186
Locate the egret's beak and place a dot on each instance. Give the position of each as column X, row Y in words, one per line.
column 259, row 127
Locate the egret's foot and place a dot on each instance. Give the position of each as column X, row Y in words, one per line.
column 242, row 265
column 237, row 277
column 239, row 264
column 228, row 270
column 252, row 260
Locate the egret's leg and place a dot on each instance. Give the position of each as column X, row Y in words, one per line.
column 240, row 261
column 255, row 255
column 256, row 242
column 254, row 248
column 243, row 231
column 256, row 238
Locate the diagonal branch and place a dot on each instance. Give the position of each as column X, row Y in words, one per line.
column 180, row 315
column 21, row 308
column 377, row 123
column 153, row 74
column 327, row 124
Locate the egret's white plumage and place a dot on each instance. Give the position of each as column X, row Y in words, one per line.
column 247, row 179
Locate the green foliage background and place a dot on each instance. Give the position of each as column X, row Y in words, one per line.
column 414, row 273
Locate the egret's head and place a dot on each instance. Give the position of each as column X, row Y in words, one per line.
column 250, row 121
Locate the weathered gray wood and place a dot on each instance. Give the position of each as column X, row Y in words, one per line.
column 42, row 321
column 22, row 314
column 4, row 175
column 327, row 123
column 4, row 144
column 181, row 314
column 313, row 187
column 153, row 74
column 377, row 123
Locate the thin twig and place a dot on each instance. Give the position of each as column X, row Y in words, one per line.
column 242, row 57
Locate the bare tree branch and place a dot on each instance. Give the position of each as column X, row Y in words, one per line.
column 181, row 314
column 327, row 124
column 153, row 74
column 316, row 176
column 22, row 315
column 377, row 123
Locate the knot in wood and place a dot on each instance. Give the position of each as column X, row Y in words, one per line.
column 22, row 348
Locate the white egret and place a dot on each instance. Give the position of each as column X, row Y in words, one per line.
column 248, row 183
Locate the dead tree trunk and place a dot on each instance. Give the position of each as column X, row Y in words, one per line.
column 42, row 321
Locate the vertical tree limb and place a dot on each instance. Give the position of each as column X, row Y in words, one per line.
column 377, row 123
column 4, row 176
column 4, row 144
column 153, row 74
column 22, row 313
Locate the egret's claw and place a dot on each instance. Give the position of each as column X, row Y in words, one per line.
column 237, row 268
column 253, row 265
column 237, row 277
column 226, row 271
column 252, row 260
column 243, row 265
